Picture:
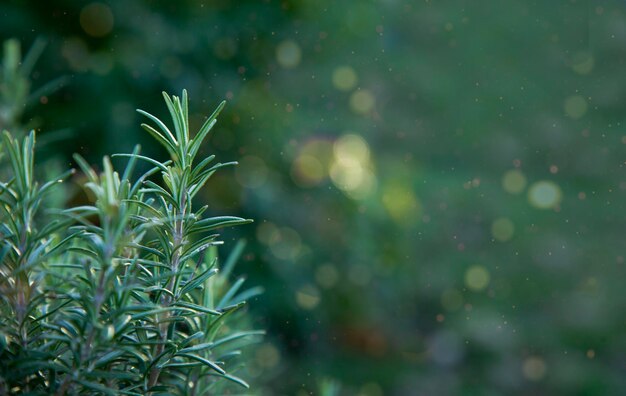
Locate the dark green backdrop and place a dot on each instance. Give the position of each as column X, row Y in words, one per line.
column 438, row 186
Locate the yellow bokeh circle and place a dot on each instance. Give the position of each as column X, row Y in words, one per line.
column 477, row 278
column 502, row 229
column 514, row 181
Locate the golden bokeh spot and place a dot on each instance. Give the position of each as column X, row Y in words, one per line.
column 514, row 181
column 307, row 171
column 285, row 244
column 312, row 163
column 288, row 54
column 544, row 194
column 534, row 368
column 362, row 101
column 477, row 278
column 308, row 297
column 344, row 78
column 351, row 169
column 365, row 188
column 451, row 299
column 321, row 149
column 351, row 147
column 96, row 19
column 575, row 106
column 267, row 356
column 266, row 232
column 401, row 203
column 502, row 229
column 347, row 176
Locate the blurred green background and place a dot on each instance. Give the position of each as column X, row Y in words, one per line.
column 438, row 187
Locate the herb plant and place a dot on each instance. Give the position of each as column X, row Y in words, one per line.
column 122, row 295
column 16, row 93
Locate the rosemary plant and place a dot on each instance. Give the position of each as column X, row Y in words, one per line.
column 123, row 295
column 26, row 245
column 16, row 93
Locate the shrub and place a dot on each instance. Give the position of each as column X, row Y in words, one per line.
column 122, row 295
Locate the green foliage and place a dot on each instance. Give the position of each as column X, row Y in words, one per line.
column 14, row 84
column 16, row 94
column 441, row 272
column 122, row 295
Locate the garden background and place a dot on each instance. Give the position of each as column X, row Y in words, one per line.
column 438, row 187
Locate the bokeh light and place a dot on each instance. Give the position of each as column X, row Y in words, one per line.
column 265, row 232
column 575, row 106
column 502, row 229
column 351, row 170
column 308, row 297
column 307, row 171
column 401, row 203
column 514, row 181
column 351, row 148
column 544, row 194
column 477, row 278
column 311, row 165
column 534, row 368
column 97, row 19
column 285, row 243
column 344, row 78
column 288, row 54
column 416, row 181
column 267, row 356
column 362, row 101
column 451, row 299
